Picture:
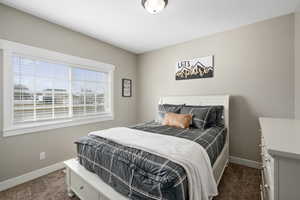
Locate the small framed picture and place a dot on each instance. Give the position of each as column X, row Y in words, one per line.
column 126, row 87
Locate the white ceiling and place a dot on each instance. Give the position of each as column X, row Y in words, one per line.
column 124, row 23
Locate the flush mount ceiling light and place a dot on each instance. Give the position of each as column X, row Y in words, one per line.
column 154, row 6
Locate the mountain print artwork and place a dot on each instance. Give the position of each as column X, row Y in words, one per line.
column 195, row 68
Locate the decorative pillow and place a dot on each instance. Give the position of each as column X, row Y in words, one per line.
column 177, row 120
column 215, row 117
column 200, row 115
column 164, row 108
column 204, row 116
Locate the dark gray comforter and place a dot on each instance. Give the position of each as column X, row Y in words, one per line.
column 141, row 175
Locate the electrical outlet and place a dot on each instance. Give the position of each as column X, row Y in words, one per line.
column 42, row 156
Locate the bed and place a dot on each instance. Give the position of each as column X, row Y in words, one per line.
column 173, row 181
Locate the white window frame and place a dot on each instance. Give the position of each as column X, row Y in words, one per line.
column 8, row 49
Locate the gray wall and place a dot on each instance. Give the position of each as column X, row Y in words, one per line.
column 254, row 64
column 20, row 154
column 297, row 65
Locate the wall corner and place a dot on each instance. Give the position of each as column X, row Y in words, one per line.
column 297, row 62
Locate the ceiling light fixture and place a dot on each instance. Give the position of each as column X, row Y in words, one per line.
column 154, row 6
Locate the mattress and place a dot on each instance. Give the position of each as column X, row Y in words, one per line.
column 140, row 175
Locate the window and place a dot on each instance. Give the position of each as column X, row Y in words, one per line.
column 89, row 90
column 47, row 91
column 49, row 94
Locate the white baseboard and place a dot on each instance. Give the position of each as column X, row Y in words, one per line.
column 245, row 162
column 30, row 176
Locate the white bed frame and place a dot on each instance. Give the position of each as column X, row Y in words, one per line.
column 223, row 159
column 88, row 186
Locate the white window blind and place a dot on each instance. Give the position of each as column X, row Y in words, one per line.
column 45, row 90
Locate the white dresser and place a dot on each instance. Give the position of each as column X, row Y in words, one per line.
column 280, row 150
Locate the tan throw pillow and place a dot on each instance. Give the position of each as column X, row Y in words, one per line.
column 177, row 120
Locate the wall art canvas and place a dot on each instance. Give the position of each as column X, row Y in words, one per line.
column 126, row 87
column 195, row 68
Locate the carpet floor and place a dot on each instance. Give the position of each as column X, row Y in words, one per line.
column 238, row 183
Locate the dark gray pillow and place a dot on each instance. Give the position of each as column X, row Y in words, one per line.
column 200, row 115
column 164, row 108
column 204, row 116
column 215, row 116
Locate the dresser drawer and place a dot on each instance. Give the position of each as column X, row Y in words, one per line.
column 263, row 195
column 267, row 164
column 267, row 172
column 83, row 190
column 263, row 188
column 267, row 188
column 267, row 183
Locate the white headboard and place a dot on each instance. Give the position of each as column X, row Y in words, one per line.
column 220, row 100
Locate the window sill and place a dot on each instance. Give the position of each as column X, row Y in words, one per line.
column 43, row 126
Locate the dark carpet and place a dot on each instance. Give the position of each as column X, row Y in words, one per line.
column 238, row 183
